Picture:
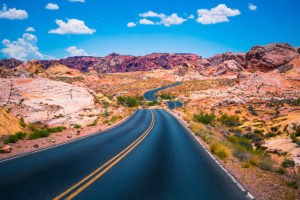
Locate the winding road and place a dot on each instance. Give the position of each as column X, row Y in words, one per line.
column 150, row 156
column 150, row 96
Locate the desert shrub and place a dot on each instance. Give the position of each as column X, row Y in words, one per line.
column 115, row 118
column 153, row 103
column 292, row 184
column 77, row 126
column 259, row 131
column 230, row 120
column 21, row 135
column 33, row 127
column 252, row 111
column 242, row 141
column 11, row 139
column 105, row 113
column 245, row 165
column 94, row 123
column 265, row 163
column 287, row 163
column 22, row 123
column 203, row 117
column 105, row 121
column 166, row 96
column 281, row 170
column 131, row 102
column 220, row 150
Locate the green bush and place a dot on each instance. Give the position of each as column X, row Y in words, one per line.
column 242, row 141
column 230, row 120
column 105, row 122
column 153, row 103
column 45, row 132
column 203, row 117
column 95, row 122
column 292, row 184
column 21, row 135
column 287, row 163
column 281, row 170
column 220, row 150
column 77, row 126
column 11, row 139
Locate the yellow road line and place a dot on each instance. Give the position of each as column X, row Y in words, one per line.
column 124, row 152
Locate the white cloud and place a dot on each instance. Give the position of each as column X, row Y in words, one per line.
column 77, row 0
column 30, row 29
column 24, row 48
column 191, row 16
column 252, row 6
column 146, row 21
column 172, row 20
column 74, row 51
column 52, row 6
column 131, row 24
column 216, row 15
column 163, row 19
column 152, row 14
column 12, row 13
column 72, row 26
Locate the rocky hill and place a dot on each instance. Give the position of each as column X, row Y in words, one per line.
column 259, row 58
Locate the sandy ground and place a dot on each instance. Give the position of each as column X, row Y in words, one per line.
column 26, row 146
column 261, row 184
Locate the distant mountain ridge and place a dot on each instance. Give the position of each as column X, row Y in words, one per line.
column 259, row 58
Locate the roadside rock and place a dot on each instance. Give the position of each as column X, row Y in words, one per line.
column 6, row 149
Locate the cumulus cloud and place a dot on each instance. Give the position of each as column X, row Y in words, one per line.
column 72, row 26
column 131, row 24
column 152, row 14
column 30, row 29
column 24, row 48
column 74, row 51
column 146, row 21
column 216, row 15
column 52, row 6
column 12, row 13
column 252, row 6
column 76, row 1
column 162, row 19
column 172, row 20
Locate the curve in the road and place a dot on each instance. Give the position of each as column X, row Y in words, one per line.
column 150, row 96
column 155, row 159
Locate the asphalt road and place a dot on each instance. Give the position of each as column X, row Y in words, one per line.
column 174, row 104
column 150, row 95
column 150, row 156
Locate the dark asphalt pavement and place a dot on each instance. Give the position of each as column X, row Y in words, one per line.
column 162, row 161
column 174, row 104
column 150, row 95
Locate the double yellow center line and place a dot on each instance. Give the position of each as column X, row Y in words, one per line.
column 88, row 180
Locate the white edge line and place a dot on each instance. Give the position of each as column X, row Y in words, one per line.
column 68, row 142
column 232, row 177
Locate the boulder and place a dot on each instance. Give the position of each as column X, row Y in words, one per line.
column 6, row 149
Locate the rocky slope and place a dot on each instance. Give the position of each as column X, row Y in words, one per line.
column 40, row 99
column 9, row 124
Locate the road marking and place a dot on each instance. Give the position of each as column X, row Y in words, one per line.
column 110, row 164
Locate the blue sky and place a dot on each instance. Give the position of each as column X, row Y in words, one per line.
column 91, row 27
